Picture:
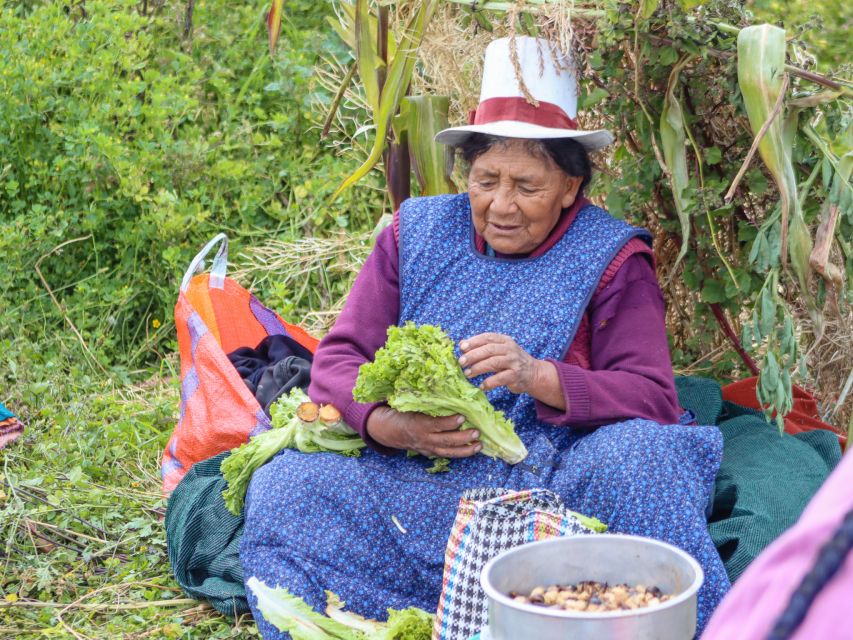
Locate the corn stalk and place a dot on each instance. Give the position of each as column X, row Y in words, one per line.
column 385, row 100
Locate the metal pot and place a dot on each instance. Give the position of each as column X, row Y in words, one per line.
column 605, row 558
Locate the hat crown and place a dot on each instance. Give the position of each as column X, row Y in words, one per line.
column 544, row 79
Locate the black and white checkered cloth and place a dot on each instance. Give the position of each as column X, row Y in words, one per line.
column 502, row 519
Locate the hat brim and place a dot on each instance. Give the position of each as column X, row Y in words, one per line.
column 592, row 140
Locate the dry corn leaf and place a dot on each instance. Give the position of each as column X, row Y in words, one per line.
column 274, row 23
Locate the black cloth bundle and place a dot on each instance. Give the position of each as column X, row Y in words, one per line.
column 274, row 367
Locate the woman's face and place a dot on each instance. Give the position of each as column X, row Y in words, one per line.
column 517, row 197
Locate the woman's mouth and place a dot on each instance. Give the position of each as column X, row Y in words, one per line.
column 504, row 228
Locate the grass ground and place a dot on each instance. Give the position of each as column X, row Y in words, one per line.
column 83, row 551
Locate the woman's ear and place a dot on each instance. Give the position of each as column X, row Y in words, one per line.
column 573, row 185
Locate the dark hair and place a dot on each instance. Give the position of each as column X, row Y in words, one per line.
column 570, row 155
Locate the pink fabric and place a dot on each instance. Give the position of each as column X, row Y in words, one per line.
column 10, row 430
column 751, row 608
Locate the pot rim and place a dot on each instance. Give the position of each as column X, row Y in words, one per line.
column 505, row 600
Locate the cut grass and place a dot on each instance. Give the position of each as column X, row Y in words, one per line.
column 82, row 541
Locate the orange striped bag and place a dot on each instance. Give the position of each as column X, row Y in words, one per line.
column 214, row 316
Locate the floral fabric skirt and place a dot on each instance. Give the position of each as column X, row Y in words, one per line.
column 373, row 529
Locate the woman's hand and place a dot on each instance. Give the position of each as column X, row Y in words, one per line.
column 512, row 367
column 424, row 434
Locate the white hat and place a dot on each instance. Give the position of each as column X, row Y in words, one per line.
column 504, row 110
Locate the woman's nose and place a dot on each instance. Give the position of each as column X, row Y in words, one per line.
column 503, row 201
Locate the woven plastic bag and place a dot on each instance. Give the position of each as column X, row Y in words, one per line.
column 214, row 316
column 489, row 521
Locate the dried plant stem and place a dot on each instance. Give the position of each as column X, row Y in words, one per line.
column 726, row 326
column 104, row 606
column 342, row 89
column 777, row 108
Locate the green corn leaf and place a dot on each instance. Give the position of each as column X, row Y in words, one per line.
column 432, row 162
column 366, row 55
column 761, row 71
column 674, row 141
column 344, row 26
column 826, row 172
column 396, row 84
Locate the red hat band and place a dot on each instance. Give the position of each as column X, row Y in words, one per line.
column 519, row 110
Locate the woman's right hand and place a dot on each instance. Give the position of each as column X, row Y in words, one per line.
column 427, row 435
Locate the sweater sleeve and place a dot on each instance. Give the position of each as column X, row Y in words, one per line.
column 631, row 371
column 372, row 306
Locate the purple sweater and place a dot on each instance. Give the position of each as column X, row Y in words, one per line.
column 629, row 373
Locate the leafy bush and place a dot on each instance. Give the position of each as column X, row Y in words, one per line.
column 125, row 145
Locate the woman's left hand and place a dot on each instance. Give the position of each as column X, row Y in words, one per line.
column 496, row 353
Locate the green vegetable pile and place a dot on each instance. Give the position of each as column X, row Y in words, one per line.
column 297, row 423
column 417, row 370
column 291, row 614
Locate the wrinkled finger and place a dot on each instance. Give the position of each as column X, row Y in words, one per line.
column 489, row 365
column 502, row 379
column 484, row 352
column 455, row 439
column 481, row 339
column 458, row 452
column 446, row 424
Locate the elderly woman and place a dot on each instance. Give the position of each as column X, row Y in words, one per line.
column 557, row 315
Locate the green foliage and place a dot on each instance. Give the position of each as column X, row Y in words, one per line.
column 823, row 24
column 417, row 370
column 384, row 98
column 81, row 509
column 137, row 145
column 134, row 146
